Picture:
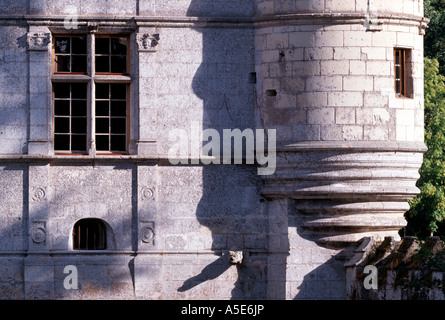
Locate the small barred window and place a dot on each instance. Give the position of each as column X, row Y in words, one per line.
column 89, row 234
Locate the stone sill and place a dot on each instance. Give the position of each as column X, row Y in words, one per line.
column 61, row 77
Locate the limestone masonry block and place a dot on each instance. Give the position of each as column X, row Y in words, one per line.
column 319, row 53
column 405, row 117
column 348, row 53
column 312, row 99
column 375, row 133
column 328, row 39
column 378, row 68
column 321, row 116
column 324, row 83
column 352, row 132
column 334, row 67
column 358, row 83
column 357, row 67
column 357, row 38
column 345, row 115
column 331, row 133
column 345, row 99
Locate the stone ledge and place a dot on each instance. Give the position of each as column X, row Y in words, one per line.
column 356, row 146
column 79, row 158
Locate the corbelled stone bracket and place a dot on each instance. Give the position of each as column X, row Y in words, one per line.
column 147, row 42
column 423, row 26
column 38, row 41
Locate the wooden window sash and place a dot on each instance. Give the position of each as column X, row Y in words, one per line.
column 400, row 69
column 70, row 77
column 70, row 54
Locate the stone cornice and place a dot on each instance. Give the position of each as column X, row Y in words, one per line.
column 373, row 22
column 133, row 22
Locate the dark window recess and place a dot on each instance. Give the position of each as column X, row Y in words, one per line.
column 111, row 117
column 403, row 81
column 89, row 234
column 70, row 54
column 111, row 55
column 70, row 117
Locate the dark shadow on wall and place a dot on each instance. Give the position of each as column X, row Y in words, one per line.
column 326, row 280
column 230, row 204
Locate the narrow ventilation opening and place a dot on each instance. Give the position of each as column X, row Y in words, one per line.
column 252, row 77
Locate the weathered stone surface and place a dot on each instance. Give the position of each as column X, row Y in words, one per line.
column 320, row 73
column 405, row 270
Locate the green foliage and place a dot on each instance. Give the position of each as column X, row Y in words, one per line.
column 429, row 259
column 428, row 208
column 435, row 34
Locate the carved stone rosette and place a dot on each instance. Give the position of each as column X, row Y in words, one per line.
column 147, row 193
column 38, row 194
column 38, row 232
column 147, row 232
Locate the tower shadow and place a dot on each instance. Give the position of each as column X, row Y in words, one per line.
column 230, row 202
column 231, row 206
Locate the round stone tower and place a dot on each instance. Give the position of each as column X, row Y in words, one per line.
column 341, row 81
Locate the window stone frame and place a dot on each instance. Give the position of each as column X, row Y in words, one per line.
column 142, row 141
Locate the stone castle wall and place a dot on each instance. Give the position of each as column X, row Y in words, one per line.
column 321, row 74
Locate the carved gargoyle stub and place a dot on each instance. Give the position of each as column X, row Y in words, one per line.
column 236, row 257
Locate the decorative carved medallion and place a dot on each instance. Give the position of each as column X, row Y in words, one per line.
column 146, row 193
column 38, row 41
column 147, row 232
column 38, row 231
column 147, row 42
column 147, row 235
column 38, row 194
column 38, row 235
